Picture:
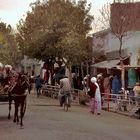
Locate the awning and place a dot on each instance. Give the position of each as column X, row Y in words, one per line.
column 106, row 64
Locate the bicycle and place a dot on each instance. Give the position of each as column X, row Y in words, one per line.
column 134, row 103
column 67, row 102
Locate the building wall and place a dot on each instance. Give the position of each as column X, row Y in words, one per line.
column 100, row 42
column 130, row 46
column 32, row 64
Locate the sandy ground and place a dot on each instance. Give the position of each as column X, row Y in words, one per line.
column 45, row 120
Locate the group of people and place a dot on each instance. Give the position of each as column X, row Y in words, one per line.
column 94, row 87
column 97, row 87
column 93, row 91
column 107, row 84
column 9, row 77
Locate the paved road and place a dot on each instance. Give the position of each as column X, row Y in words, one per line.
column 45, row 120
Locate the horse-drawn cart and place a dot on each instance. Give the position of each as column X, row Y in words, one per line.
column 6, row 96
column 3, row 95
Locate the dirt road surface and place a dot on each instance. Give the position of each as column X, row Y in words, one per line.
column 45, row 120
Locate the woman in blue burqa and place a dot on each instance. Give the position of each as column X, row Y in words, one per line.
column 116, row 85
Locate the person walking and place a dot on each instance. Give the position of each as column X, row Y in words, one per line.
column 116, row 86
column 136, row 90
column 38, row 85
column 95, row 97
column 30, row 84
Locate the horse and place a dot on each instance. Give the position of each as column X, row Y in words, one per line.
column 17, row 93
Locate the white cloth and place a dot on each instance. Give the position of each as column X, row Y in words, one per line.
column 97, row 99
column 97, row 93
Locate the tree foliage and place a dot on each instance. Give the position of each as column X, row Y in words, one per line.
column 56, row 28
column 103, row 19
column 9, row 53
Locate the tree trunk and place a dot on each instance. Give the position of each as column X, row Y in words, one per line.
column 122, row 74
column 87, row 68
column 122, row 65
column 82, row 71
column 69, row 74
column 123, row 77
column 120, row 48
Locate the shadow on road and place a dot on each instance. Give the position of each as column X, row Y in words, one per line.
column 3, row 118
column 43, row 105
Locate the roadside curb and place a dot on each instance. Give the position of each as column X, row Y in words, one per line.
column 121, row 113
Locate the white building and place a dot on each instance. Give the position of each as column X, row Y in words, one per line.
column 30, row 65
column 106, row 44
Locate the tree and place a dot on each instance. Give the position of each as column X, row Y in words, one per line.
column 103, row 19
column 9, row 53
column 56, row 28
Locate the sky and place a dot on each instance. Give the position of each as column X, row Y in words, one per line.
column 11, row 11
